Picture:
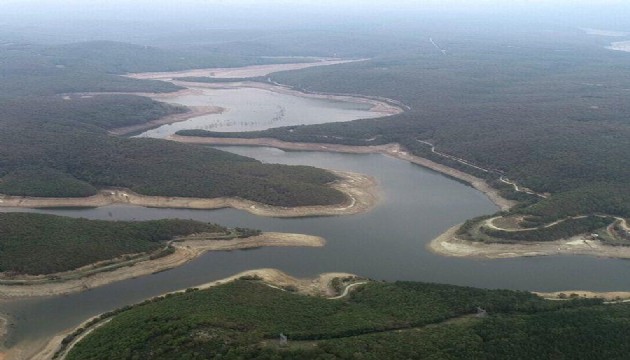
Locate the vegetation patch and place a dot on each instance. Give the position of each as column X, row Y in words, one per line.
column 244, row 319
column 516, row 112
column 65, row 142
column 37, row 244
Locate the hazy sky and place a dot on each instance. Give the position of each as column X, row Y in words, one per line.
column 228, row 14
column 357, row 4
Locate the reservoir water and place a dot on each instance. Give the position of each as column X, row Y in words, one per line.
column 387, row 243
column 250, row 109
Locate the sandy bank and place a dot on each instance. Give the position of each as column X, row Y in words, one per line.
column 360, row 190
column 609, row 296
column 448, row 244
column 195, row 111
column 185, row 250
column 393, row 150
column 4, row 329
column 240, row 72
column 319, row 286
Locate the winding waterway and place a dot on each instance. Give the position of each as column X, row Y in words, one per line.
column 387, row 243
column 250, row 109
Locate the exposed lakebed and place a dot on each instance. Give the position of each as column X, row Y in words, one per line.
column 387, row 243
column 264, row 108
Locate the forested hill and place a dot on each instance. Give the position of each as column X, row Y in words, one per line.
column 34, row 69
column 55, row 144
column 57, row 156
column 554, row 121
column 45, row 244
column 402, row 320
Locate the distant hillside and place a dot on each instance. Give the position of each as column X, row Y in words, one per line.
column 30, row 69
column 56, row 148
column 554, row 121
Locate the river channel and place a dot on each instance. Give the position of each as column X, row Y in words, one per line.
column 387, row 243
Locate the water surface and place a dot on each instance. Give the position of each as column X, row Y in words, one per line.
column 387, row 243
column 249, row 109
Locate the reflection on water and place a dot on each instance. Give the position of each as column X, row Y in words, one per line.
column 387, row 243
column 264, row 109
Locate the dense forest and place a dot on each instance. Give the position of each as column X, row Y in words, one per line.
column 563, row 230
column 378, row 320
column 554, row 121
column 28, row 69
column 43, row 244
column 58, row 146
column 79, row 158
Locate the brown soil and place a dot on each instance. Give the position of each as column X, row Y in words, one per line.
column 393, row 150
column 185, row 250
column 448, row 244
column 506, row 223
column 361, row 192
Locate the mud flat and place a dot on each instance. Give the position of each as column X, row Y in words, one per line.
column 241, row 72
column 360, row 190
column 186, row 249
column 448, row 244
column 194, row 111
column 609, row 296
column 382, row 106
column 620, row 46
column 394, row 150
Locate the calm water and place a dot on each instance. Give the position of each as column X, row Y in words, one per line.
column 387, row 243
column 263, row 109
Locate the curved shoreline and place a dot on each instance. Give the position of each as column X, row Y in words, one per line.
column 319, row 286
column 194, row 111
column 240, row 72
column 186, row 249
column 379, row 105
column 393, row 150
column 448, row 244
column 361, row 191
column 382, row 106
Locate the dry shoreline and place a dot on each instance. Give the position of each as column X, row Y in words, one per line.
column 361, row 191
column 448, row 244
column 238, row 72
column 382, row 106
column 188, row 249
column 620, row 46
column 609, row 296
column 319, row 286
column 393, row 150
column 195, row 111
